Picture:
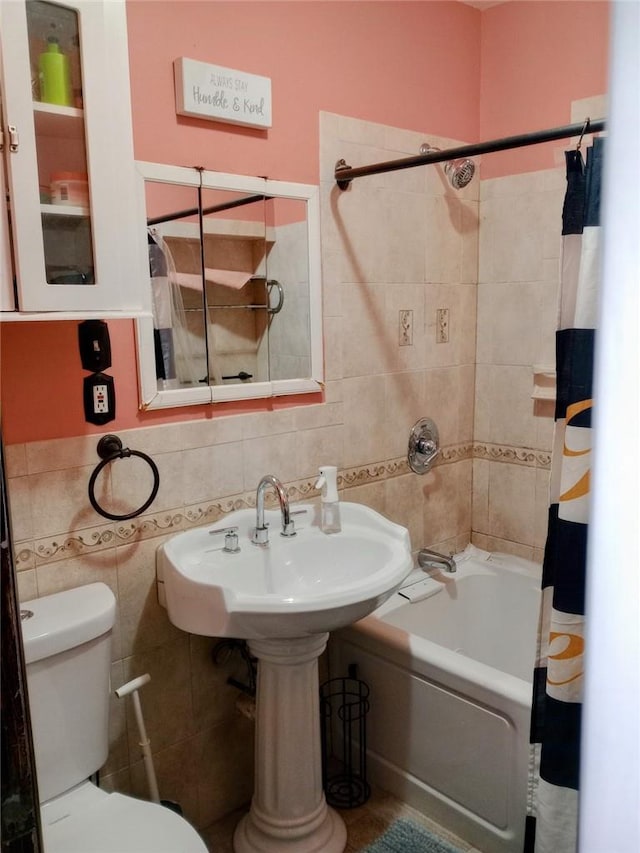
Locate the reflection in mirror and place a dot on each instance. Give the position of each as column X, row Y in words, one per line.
column 234, row 255
column 176, row 284
column 234, row 299
column 288, row 264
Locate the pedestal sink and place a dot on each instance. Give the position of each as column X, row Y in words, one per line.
column 285, row 598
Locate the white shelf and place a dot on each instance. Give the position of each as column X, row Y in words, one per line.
column 544, row 394
column 231, row 228
column 40, row 316
column 56, row 121
column 544, row 382
column 64, row 210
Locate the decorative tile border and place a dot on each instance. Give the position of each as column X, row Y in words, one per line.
column 51, row 549
column 74, row 544
column 24, row 556
column 149, row 526
column 455, row 453
column 363, row 475
column 515, row 455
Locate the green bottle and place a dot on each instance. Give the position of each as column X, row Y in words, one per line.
column 55, row 79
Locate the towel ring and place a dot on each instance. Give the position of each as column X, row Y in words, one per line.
column 110, row 448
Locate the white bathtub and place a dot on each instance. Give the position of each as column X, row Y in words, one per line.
column 450, row 677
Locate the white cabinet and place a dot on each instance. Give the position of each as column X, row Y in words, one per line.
column 6, row 273
column 69, row 158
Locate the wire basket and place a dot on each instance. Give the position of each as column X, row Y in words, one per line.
column 344, row 705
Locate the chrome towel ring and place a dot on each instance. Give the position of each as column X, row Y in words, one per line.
column 110, row 448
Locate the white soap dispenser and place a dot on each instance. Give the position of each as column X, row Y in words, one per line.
column 330, row 505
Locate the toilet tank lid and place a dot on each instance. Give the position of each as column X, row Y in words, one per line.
column 66, row 619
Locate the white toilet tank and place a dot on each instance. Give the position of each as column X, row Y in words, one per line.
column 67, row 646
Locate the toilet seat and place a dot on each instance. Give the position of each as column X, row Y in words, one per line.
column 88, row 820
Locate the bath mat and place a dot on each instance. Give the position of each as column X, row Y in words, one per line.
column 406, row 836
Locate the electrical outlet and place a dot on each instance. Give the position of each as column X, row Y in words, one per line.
column 405, row 328
column 442, row 326
column 99, row 398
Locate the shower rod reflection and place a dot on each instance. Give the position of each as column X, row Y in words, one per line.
column 216, row 208
column 344, row 173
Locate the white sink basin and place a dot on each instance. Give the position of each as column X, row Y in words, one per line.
column 295, row 586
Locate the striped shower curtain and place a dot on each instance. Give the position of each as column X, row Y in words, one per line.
column 558, row 676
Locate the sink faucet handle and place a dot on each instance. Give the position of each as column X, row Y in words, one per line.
column 231, row 545
column 288, row 528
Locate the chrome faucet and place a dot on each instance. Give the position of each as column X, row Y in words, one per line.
column 427, row 556
column 261, row 533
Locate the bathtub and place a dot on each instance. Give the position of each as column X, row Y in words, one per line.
column 449, row 662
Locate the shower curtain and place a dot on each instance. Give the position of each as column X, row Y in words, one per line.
column 558, row 676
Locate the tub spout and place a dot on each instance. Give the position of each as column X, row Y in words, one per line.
column 428, row 557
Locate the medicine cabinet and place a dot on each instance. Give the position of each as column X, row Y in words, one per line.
column 68, row 153
column 233, row 287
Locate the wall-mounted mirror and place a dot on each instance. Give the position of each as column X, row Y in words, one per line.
column 234, row 296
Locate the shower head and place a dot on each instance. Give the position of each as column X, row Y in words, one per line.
column 460, row 172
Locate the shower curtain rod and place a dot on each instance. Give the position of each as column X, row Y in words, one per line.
column 344, row 173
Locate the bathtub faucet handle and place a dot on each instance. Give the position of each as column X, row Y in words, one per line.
column 424, row 445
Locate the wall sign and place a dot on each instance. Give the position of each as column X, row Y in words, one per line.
column 221, row 94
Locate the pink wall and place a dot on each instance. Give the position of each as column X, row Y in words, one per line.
column 441, row 67
column 42, row 379
column 404, row 64
column 41, row 388
column 536, row 59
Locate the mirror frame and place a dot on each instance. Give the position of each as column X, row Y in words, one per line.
column 151, row 397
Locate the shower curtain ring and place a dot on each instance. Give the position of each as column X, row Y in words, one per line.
column 584, row 130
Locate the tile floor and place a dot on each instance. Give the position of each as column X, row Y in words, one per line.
column 364, row 825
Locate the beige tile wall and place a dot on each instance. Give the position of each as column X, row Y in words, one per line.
column 288, row 338
column 518, row 279
column 402, row 241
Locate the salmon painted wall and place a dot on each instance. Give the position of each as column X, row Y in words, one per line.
column 444, row 67
column 537, row 57
column 379, row 61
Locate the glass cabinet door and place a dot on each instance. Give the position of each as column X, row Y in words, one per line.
column 63, row 88
column 63, row 182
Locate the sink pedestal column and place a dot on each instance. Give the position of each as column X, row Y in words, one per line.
column 289, row 813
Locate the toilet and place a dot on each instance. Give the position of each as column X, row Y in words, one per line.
column 67, row 647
